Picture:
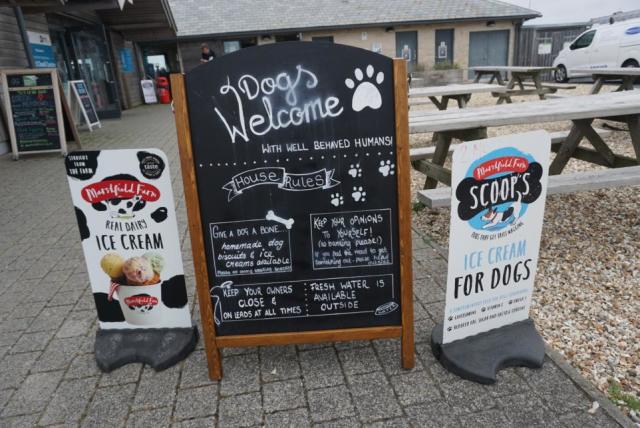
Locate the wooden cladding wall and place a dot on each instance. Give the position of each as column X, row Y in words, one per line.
column 131, row 94
column 12, row 53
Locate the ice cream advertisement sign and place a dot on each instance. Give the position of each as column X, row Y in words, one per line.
column 498, row 195
column 124, row 206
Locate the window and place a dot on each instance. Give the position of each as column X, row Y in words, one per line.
column 584, row 40
column 231, row 46
column 322, row 39
column 544, row 45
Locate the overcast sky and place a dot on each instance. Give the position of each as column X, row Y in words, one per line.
column 558, row 11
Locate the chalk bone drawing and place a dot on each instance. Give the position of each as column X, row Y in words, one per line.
column 366, row 94
column 273, row 217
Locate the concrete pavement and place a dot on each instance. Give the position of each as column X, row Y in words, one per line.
column 47, row 324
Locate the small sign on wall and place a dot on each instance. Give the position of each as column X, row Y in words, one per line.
column 499, row 189
column 544, row 48
column 41, row 49
column 126, row 60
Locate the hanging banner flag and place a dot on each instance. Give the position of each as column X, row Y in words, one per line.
column 499, row 188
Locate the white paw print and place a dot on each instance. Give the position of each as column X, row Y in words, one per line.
column 337, row 199
column 358, row 194
column 355, row 170
column 387, row 168
column 366, row 94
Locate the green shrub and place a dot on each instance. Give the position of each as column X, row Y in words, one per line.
column 618, row 396
column 446, row 65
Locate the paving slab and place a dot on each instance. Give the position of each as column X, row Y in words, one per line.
column 47, row 367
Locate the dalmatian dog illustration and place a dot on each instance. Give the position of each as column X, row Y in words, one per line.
column 124, row 208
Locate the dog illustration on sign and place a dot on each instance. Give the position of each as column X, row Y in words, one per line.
column 511, row 214
column 365, row 93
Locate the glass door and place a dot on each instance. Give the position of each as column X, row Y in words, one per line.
column 93, row 64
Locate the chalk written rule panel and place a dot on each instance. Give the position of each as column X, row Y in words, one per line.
column 295, row 156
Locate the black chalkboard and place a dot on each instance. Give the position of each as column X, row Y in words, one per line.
column 34, row 117
column 295, row 153
column 81, row 91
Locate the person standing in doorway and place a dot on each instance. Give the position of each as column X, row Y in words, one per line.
column 207, row 54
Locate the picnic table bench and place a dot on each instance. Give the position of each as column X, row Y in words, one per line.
column 628, row 75
column 518, row 76
column 461, row 93
column 565, row 183
column 557, row 138
column 471, row 124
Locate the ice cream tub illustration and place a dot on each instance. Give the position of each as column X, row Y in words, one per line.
column 137, row 286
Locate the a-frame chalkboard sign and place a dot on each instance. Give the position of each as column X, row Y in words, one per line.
column 295, row 163
column 85, row 103
column 34, row 111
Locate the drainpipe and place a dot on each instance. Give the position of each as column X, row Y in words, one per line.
column 17, row 10
column 516, row 41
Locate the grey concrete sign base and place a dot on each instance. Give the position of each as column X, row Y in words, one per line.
column 479, row 358
column 160, row 348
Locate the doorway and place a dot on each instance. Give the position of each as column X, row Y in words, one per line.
column 407, row 48
column 444, row 46
column 488, row 48
column 154, row 64
column 82, row 53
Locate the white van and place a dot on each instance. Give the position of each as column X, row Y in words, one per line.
column 603, row 46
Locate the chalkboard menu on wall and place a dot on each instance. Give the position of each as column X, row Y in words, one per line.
column 295, row 158
column 86, row 104
column 32, row 101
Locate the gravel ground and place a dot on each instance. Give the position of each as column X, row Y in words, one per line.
column 587, row 297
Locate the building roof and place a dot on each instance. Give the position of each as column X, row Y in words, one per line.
column 557, row 26
column 617, row 17
column 237, row 17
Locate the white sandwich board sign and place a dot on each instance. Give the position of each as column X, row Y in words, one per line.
column 499, row 187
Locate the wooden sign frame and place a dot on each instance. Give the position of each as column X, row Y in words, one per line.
column 78, row 99
column 212, row 342
column 9, row 112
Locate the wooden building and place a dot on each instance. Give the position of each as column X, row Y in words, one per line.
column 93, row 40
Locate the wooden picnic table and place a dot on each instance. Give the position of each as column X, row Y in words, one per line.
column 472, row 123
column 628, row 75
column 518, row 76
column 461, row 93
